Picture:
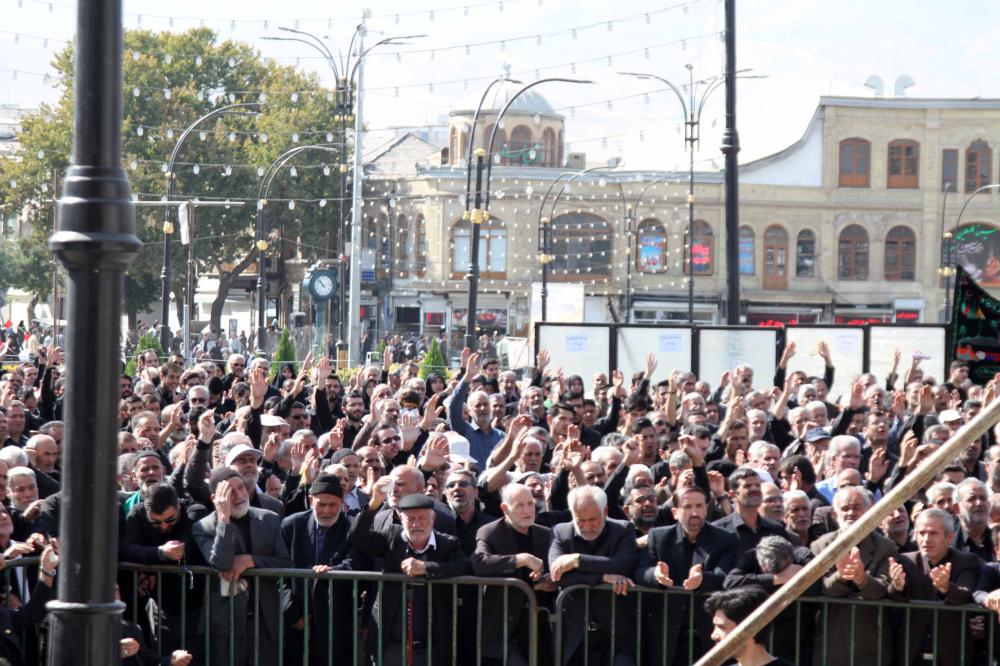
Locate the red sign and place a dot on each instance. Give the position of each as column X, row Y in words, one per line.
column 858, row 321
column 907, row 316
column 434, row 318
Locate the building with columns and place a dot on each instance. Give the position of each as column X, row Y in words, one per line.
column 853, row 222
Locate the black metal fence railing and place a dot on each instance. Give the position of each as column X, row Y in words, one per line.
column 293, row 616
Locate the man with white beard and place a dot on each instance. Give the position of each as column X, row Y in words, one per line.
column 234, row 538
column 974, row 514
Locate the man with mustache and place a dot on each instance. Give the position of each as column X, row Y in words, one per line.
column 691, row 554
column 974, row 514
column 234, row 538
column 745, row 521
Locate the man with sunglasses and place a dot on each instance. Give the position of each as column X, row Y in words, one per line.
column 158, row 531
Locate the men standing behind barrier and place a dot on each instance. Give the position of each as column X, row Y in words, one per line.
column 513, row 547
column 234, row 538
column 863, row 573
column 692, row 555
column 936, row 572
column 317, row 540
column 592, row 550
column 401, row 624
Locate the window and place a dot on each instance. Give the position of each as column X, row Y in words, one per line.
column 900, row 254
column 499, row 144
column 548, row 156
column 904, row 164
column 978, row 165
column 855, row 162
column 559, row 150
column 702, row 249
column 520, row 149
column 651, row 247
column 805, row 254
column 746, row 251
column 403, row 246
column 419, row 264
column 492, row 248
column 775, row 258
column 852, row 254
column 949, row 170
column 581, row 245
column 453, row 156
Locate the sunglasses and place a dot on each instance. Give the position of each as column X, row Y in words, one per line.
column 459, row 484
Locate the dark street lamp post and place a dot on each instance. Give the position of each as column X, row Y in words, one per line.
column 168, row 227
column 95, row 241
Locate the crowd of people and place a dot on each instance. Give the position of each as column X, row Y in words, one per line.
column 618, row 487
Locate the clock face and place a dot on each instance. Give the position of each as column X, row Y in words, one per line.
column 323, row 286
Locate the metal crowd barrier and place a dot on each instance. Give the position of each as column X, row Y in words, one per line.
column 800, row 635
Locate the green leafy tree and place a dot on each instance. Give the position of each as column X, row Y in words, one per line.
column 146, row 341
column 434, row 361
column 170, row 80
column 284, row 353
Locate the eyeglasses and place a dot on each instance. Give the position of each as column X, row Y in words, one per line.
column 198, row 401
column 166, row 521
column 464, row 483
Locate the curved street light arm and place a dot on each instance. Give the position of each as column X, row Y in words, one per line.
column 661, row 179
column 677, row 91
column 994, row 186
column 545, row 197
column 317, row 42
column 555, row 201
column 283, row 159
column 472, row 142
column 322, row 51
column 496, row 125
column 381, row 42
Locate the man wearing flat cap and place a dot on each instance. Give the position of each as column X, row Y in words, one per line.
column 234, row 538
column 317, row 540
column 415, row 549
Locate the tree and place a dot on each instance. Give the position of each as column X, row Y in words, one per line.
column 148, row 340
column 170, row 80
column 434, row 361
column 284, row 353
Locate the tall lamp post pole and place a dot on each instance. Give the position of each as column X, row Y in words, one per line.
column 731, row 149
column 481, row 212
column 949, row 269
column 95, row 241
column 168, row 227
column 261, row 243
column 946, row 270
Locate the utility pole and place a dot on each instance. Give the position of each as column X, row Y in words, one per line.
column 731, row 149
column 354, row 322
column 95, row 242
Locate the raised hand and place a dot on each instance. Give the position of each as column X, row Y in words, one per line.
column 857, row 396
column 206, row 426
column 650, row 366
column 618, row 382
column 941, row 577
column 271, row 447
column 878, row 465
column 435, row 452
column 310, row 467
column 897, row 575
column 787, row 354
column 716, row 482
column 430, row 412
column 323, row 370
column 662, row 574
column 466, row 354
column 694, row 579
column 258, row 386
column 409, row 429
column 542, row 360
column 223, row 501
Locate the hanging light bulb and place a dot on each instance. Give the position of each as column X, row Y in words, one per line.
column 295, row 137
column 291, row 204
column 231, row 136
column 295, row 97
column 135, row 91
column 196, row 169
column 168, row 59
column 140, row 131
column 133, row 165
column 260, row 172
column 229, row 170
column 263, row 137
column 170, row 133
column 322, row 203
column 198, row 60
column 293, row 172
column 202, row 136
column 329, row 137
column 326, row 170
column 166, row 93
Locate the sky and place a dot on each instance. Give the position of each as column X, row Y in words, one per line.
column 799, row 50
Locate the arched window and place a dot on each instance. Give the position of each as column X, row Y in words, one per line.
column 463, row 137
column 904, row 164
column 402, row 262
column 499, row 144
column 900, row 254
column 651, row 247
column 702, row 249
column 420, row 245
column 492, row 249
column 520, row 147
column 978, row 165
column 581, row 245
column 855, row 163
column 776, row 258
column 805, row 254
column 559, row 150
column 453, row 155
column 746, row 251
column 852, row 254
column 548, row 156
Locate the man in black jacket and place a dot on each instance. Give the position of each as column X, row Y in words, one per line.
column 592, row 550
column 317, row 540
column 416, row 549
column 158, row 531
column 690, row 554
column 514, row 547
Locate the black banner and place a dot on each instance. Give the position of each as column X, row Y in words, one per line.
column 975, row 328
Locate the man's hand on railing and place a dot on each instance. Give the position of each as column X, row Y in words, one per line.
column 620, row 584
column 529, row 561
column 411, row 566
column 564, row 564
column 180, row 658
column 130, row 647
column 240, row 564
column 173, row 550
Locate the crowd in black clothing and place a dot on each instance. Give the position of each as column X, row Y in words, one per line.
column 655, row 482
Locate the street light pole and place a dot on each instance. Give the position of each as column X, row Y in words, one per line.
column 731, row 149
column 95, row 241
column 357, row 185
column 946, row 269
column 168, row 227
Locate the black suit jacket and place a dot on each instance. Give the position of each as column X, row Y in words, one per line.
column 496, row 550
column 389, row 546
column 715, row 549
column 613, row 552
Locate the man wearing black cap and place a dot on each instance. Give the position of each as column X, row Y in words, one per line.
column 413, row 548
column 234, row 538
column 317, row 540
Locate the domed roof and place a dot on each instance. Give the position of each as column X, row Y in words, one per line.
column 529, row 102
